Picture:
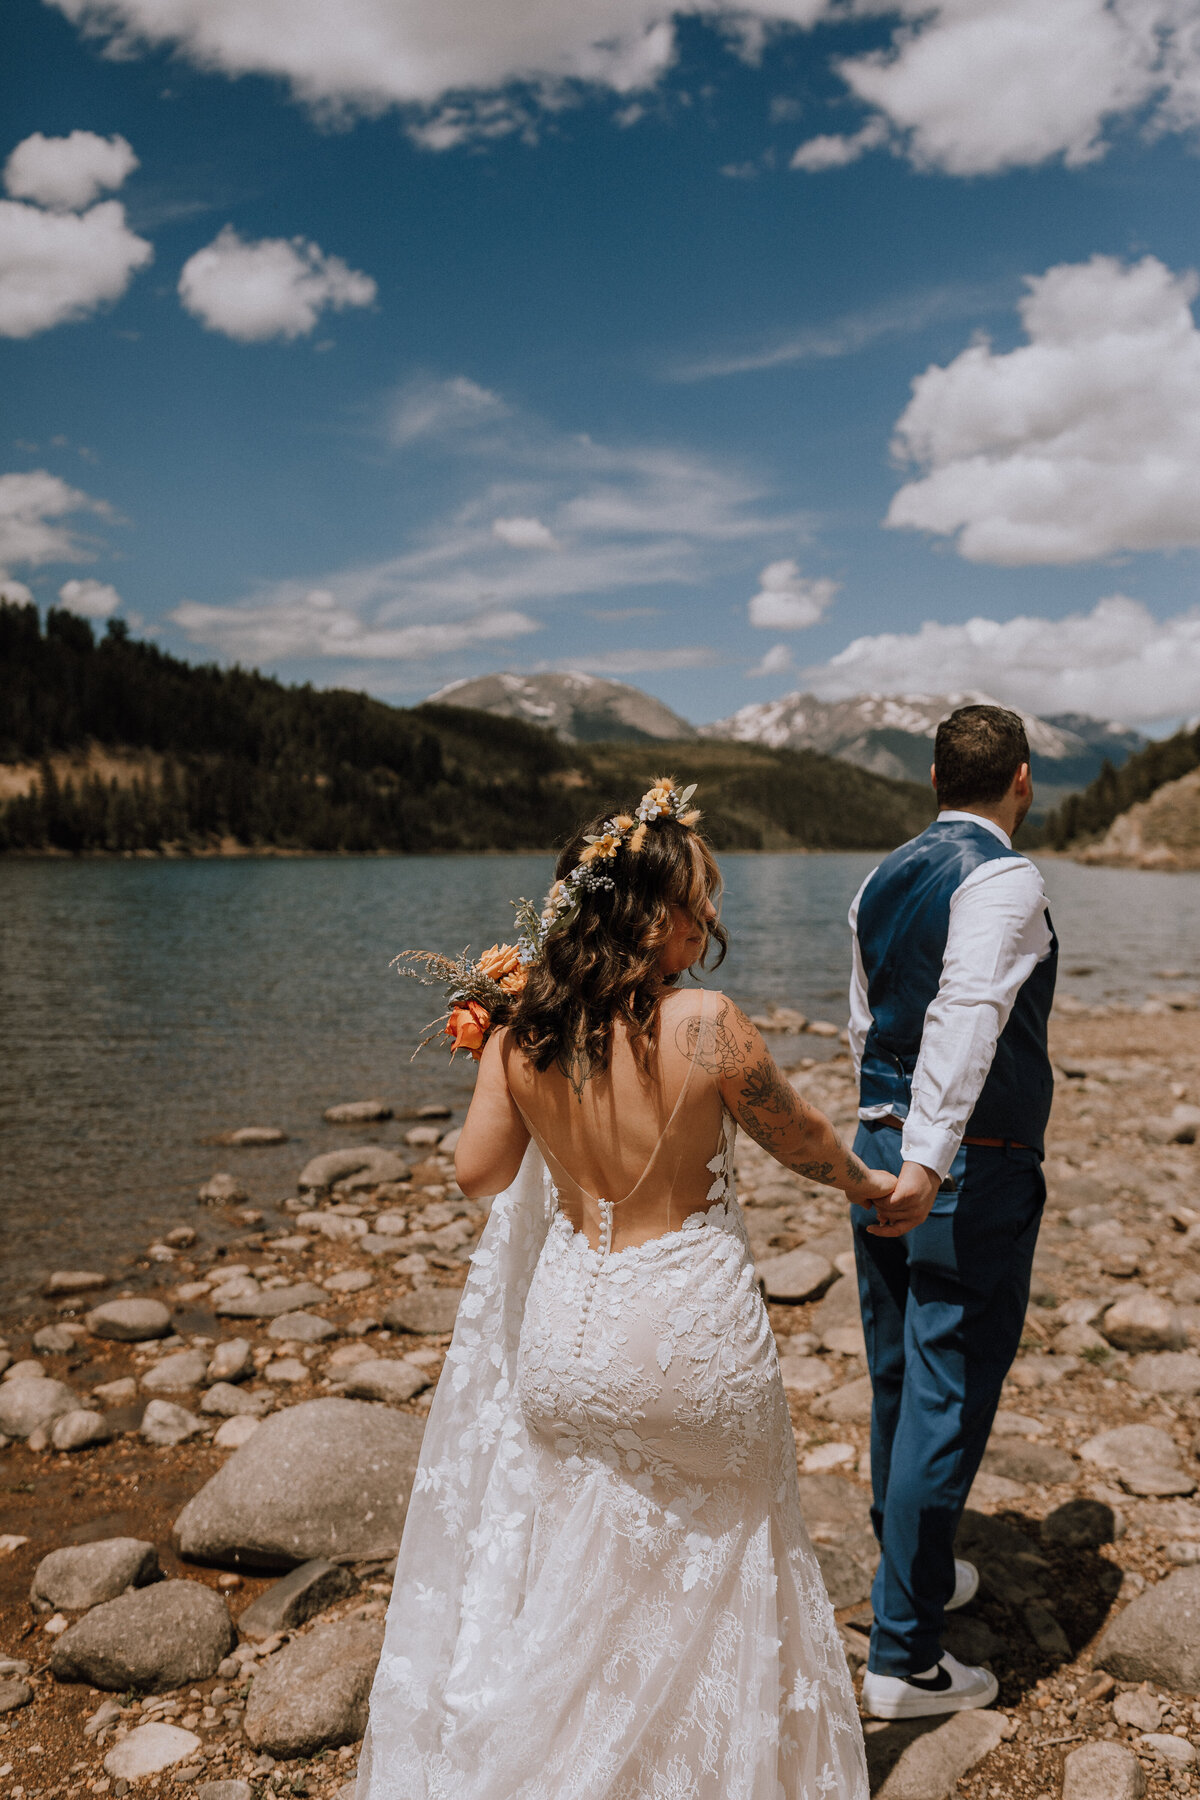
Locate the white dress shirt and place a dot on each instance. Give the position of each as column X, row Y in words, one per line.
column 998, row 934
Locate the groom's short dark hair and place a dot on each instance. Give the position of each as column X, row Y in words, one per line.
column 976, row 753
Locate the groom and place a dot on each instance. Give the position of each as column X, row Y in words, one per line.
column 954, row 966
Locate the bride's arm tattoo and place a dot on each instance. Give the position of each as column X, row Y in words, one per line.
column 765, row 1103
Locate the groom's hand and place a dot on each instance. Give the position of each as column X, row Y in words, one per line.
column 909, row 1203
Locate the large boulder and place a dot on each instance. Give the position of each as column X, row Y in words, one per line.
column 1144, row 1459
column 838, row 1319
column 847, row 1405
column 232, row 1360
column 1141, row 1321
column 327, row 1478
column 129, row 1321
column 73, row 1281
column 366, row 1166
column 164, row 1423
column 82, row 1575
column 1102, row 1771
column 80, row 1429
column 152, row 1639
column 185, row 1369
column 429, row 1312
column 1019, row 1461
column 1166, row 1372
column 797, row 1275
column 805, row 1374
column 297, row 1597
column 222, row 1189
column 149, row 1749
column 32, row 1403
column 229, row 1402
column 929, row 1767
column 382, row 1378
column 301, row 1328
column 270, row 1303
column 1157, row 1637
column 313, row 1695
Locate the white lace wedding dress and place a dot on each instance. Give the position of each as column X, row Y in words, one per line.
column 606, row 1590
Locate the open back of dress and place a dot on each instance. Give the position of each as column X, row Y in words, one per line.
column 631, row 1153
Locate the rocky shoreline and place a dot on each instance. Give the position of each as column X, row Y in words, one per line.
column 196, row 1546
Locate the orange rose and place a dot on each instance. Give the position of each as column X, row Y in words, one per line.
column 468, row 1025
column 500, row 960
column 502, row 964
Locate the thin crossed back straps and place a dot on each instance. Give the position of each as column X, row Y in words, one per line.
column 560, row 1173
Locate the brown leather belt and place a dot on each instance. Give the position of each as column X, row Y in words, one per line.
column 982, row 1143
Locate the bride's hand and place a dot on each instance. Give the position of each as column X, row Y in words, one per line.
column 876, row 1184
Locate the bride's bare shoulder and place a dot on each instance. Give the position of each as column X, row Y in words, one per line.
column 711, row 1028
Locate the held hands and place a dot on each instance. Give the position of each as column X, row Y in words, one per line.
column 871, row 1186
column 909, row 1202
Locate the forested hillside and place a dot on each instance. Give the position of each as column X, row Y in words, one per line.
column 227, row 759
column 1086, row 815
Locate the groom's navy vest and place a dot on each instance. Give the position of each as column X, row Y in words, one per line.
column 903, row 922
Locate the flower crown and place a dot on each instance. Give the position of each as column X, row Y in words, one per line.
column 477, row 989
column 593, row 870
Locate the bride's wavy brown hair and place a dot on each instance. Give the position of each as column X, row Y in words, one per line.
column 603, row 966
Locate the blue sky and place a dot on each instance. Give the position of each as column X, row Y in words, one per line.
column 822, row 345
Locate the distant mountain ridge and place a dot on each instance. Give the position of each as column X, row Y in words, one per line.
column 892, row 734
column 885, row 734
column 579, row 708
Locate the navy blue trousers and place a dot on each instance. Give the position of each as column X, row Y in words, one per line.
column 943, row 1307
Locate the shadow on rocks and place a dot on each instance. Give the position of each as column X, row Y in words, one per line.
column 887, row 1742
column 1044, row 1590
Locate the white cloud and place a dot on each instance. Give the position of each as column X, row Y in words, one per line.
column 967, row 86
column 369, row 55
column 898, row 316
column 1118, row 661
column 15, row 592
column 90, row 599
column 777, row 661
column 314, row 624
column 429, row 408
column 270, row 288
column 524, row 534
column 33, row 505
column 1083, row 441
column 788, row 600
column 67, row 173
column 975, row 86
column 58, row 267
column 834, row 151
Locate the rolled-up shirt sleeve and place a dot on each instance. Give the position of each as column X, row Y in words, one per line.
column 998, row 934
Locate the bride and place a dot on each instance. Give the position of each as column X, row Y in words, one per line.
column 605, row 1589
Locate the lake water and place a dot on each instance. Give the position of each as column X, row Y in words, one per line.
column 145, row 1006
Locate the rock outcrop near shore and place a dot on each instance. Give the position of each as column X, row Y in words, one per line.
column 327, row 1478
column 1162, row 832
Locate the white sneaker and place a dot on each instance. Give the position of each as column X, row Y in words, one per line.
column 950, row 1687
column 966, row 1584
